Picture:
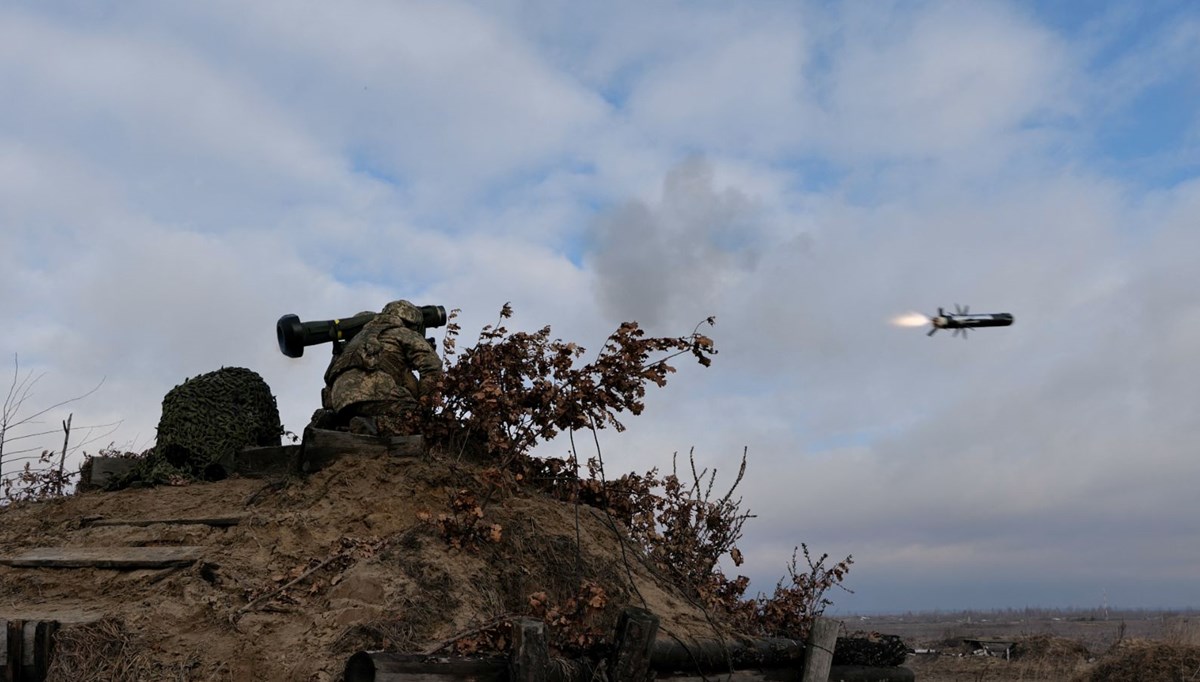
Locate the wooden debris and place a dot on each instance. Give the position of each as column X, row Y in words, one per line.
column 218, row 521
column 104, row 557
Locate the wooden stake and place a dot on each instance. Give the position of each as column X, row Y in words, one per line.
column 43, row 648
column 15, row 654
column 818, row 658
column 632, row 644
column 531, row 652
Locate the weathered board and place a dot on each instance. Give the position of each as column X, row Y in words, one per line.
column 105, row 469
column 104, row 557
column 218, row 521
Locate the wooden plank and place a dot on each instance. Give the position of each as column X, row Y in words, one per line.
column 104, row 557
column 381, row 666
column 633, row 644
column 530, row 653
column 219, row 521
column 818, row 654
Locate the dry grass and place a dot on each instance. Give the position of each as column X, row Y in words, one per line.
column 103, row 650
column 1146, row 661
column 1181, row 632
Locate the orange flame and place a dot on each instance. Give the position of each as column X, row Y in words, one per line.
column 910, row 320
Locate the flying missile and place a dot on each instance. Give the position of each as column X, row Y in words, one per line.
column 962, row 319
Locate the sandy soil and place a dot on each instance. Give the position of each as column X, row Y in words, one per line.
column 389, row 580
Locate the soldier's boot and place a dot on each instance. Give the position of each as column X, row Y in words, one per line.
column 364, row 426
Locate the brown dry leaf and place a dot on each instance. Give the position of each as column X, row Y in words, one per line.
column 736, row 555
column 496, row 533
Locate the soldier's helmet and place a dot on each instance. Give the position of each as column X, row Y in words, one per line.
column 406, row 313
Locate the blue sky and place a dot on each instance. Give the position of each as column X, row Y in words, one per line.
column 173, row 178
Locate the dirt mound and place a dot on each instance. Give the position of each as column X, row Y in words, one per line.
column 1050, row 647
column 317, row 568
column 1146, row 661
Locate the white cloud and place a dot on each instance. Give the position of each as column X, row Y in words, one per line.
column 173, row 179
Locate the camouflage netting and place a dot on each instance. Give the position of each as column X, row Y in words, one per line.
column 208, row 418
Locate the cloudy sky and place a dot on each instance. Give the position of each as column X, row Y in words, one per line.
column 176, row 176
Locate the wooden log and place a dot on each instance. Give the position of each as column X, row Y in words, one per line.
column 260, row 462
column 867, row 673
column 43, row 648
column 218, row 521
column 775, row 675
column 633, row 644
column 710, row 655
column 870, row 649
column 105, row 469
column 105, row 557
column 321, row 447
column 838, row 673
column 14, row 650
column 818, row 654
column 381, row 666
column 531, row 651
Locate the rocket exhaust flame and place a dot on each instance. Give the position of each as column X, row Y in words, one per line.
column 910, row 320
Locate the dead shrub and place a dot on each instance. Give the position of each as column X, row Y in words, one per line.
column 1146, row 661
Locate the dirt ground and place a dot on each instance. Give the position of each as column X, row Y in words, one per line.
column 1133, row 647
column 319, row 568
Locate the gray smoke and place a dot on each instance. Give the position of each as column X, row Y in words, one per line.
column 669, row 261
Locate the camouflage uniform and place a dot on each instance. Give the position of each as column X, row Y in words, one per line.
column 373, row 378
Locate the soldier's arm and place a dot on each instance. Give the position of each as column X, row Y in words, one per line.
column 422, row 358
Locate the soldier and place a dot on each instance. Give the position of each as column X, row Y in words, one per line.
column 373, row 375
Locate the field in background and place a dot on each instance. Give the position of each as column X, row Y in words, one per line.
column 1053, row 645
